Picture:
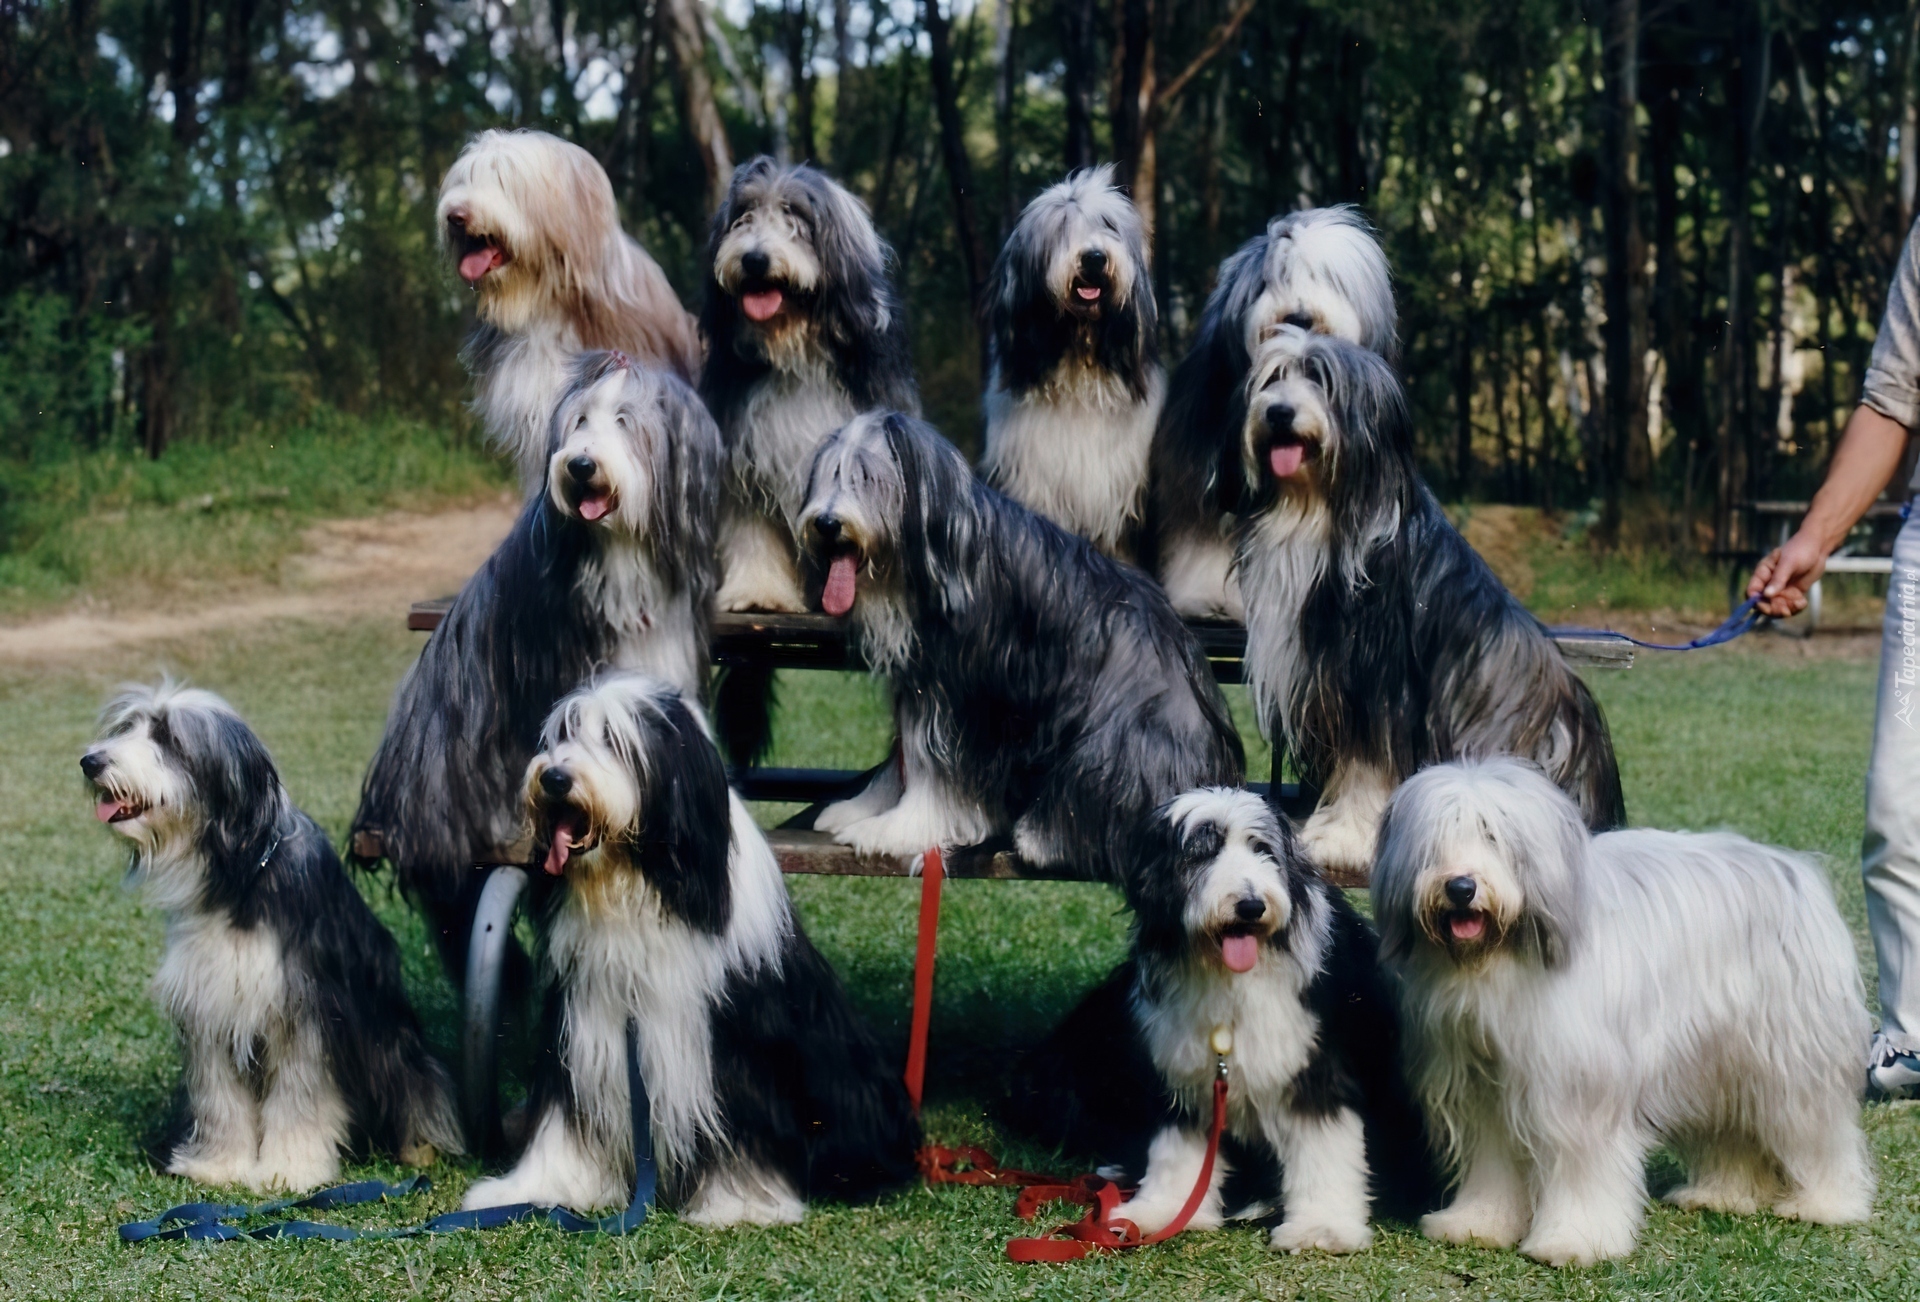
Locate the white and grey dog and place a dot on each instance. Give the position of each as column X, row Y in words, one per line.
column 1322, row 270
column 1378, row 641
column 1570, row 1001
column 806, row 331
column 764, row 1088
column 285, row 988
column 531, row 224
column 1076, row 383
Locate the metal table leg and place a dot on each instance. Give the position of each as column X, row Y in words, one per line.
column 480, row 1046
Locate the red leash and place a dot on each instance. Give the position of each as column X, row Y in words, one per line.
column 932, row 873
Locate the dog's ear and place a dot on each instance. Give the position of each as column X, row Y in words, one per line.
column 936, row 519
column 1391, row 890
column 688, row 501
column 1551, row 863
column 235, row 782
column 686, row 826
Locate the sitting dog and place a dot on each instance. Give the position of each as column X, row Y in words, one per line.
column 1040, row 687
column 1321, row 270
column 763, row 1087
column 1572, row 1001
column 611, row 565
column 285, row 988
column 530, row 222
column 1075, row 383
column 1378, row 641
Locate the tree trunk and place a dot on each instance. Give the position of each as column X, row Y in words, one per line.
column 896, row 141
column 1463, row 407
column 1672, row 306
column 1007, row 52
column 845, row 100
column 693, row 86
column 632, row 128
column 1909, row 118
column 1077, row 48
column 800, row 65
column 953, row 148
column 1745, row 96
column 1626, row 460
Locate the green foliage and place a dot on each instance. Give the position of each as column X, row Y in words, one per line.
column 62, row 376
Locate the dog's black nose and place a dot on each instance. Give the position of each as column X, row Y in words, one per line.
column 1280, row 418
column 1460, row 891
column 828, row 526
column 582, row 468
column 1250, row 910
column 755, row 263
column 1093, row 261
column 556, row 782
column 93, row 764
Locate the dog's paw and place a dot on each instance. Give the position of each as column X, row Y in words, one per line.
column 1338, row 844
column 212, row 1169
column 1722, row 1196
column 1489, row 1226
column 1311, row 1236
column 1828, row 1206
column 293, row 1172
column 1570, row 1245
column 762, row 589
column 842, row 814
column 494, row 1191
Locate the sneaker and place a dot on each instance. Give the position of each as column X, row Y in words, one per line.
column 1892, row 1073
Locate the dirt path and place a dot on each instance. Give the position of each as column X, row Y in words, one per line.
column 346, row 569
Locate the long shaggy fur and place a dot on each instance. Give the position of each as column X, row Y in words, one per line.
column 1040, row 687
column 1075, row 384
column 764, row 1088
column 1321, row 270
column 1378, row 641
column 530, row 223
column 298, row 1035
column 1570, row 1002
column 562, row 596
column 1320, row 1127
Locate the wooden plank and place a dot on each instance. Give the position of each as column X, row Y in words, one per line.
column 1595, row 652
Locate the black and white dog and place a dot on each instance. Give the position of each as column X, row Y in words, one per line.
column 764, row 1088
column 612, row 565
column 1076, row 383
column 806, row 331
column 1234, row 931
column 530, row 223
column 1378, row 641
column 1321, row 270
column 1040, row 687
column 285, row 988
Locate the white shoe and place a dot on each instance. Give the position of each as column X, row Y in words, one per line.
column 1892, row 1073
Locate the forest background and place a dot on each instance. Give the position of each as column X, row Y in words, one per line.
column 1641, row 246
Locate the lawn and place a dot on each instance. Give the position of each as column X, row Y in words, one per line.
column 1769, row 744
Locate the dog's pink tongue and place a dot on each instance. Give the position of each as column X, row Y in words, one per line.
column 107, row 810
column 562, row 847
column 1286, row 459
column 761, row 306
column 837, row 599
column 478, row 263
column 1239, row 953
column 1088, row 292
column 1467, row 926
column 592, row 508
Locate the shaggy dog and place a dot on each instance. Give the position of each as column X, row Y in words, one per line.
column 763, row 1087
column 611, row 565
column 1076, row 383
column 1377, row 640
column 530, row 222
column 1233, row 929
column 806, row 332
column 1572, row 1001
column 286, row 990
column 1321, row 270
column 1040, row 687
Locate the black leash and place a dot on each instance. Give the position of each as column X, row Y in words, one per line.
column 208, row 1221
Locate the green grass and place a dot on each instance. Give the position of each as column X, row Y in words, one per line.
column 113, row 522
column 1732, row 738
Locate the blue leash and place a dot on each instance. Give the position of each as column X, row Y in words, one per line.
column 208, row 1221
column 1743, row 620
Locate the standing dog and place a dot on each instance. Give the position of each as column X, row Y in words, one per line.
column 1234, row 931
column 1040, row 687
column 285, row 988
column 1571, row 1001
column 611, row 565
column 763, row 1087
column 530, row 222
column 1076, row 383
column 1377, row 640
column 1321, row 270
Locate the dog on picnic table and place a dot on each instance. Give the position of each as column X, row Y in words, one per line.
column 1570, row 1001
column 1378, row 641
column 1041, row 688
column 806, row 330
column 613, row 564
column 1321, row 269
column 1233, row 930
column 764, row 1088
column 285, row 988
column 1075, row 383
column 531, row 225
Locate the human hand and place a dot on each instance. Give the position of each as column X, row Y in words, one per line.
column 1782, row 580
